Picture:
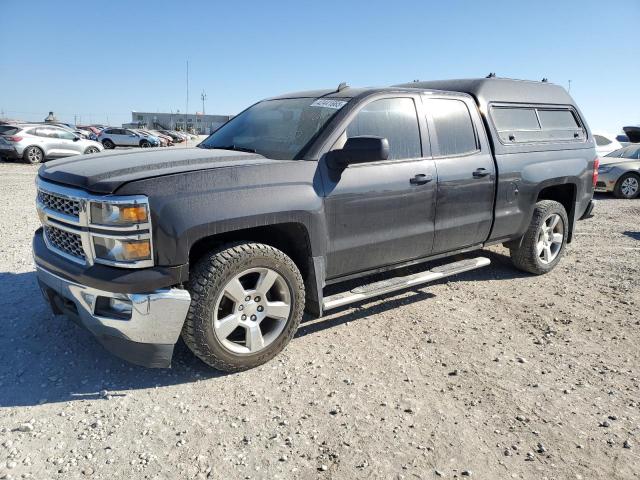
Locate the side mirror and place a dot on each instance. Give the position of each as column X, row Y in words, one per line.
column 75, row 139
column 359, row 150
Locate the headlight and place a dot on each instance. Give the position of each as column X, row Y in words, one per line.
column 120, row 232
column 119, row 250
column 119, row 214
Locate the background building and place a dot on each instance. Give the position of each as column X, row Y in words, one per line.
column 193, row 122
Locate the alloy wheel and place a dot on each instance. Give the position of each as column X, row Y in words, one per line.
column 550, row 238
column 34, row 155
column 629, row 187
column 252, row 310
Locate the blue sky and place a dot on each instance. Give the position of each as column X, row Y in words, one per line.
column 101, row 60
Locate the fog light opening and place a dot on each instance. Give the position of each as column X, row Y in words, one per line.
column 116, row 308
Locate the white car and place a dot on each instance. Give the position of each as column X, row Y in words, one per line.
column 605, row 143
column 36, row 143
column 112, row 137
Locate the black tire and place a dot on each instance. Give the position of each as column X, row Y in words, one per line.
column 91, row 150
column 33, row 155
column 144, row 144
column 525, row 257
column 206, row 283
column 108, row 144
column 626, row 193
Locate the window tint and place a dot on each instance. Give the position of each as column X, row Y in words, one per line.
column 63, row 134
column 8, row 130
column 531, row 124
column 600, row 140
column 630, row 152
column 453, row 126
column 394, row 119
column 46, row 132
column 515, row 119
column 557, row 119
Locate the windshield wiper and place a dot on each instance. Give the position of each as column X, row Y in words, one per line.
column 233, row 147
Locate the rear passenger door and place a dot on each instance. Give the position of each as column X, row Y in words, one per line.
column 466, row 173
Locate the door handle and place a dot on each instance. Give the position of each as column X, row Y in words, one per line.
column 481, row 172
column 421, row 179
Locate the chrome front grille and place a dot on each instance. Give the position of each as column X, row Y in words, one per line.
column 67, row 242
column 60, row 204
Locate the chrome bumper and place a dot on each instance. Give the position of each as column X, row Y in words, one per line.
column 144, row 326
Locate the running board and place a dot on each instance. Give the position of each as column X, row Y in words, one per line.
column 399, row 283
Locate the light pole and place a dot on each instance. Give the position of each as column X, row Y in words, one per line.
column 203, row 97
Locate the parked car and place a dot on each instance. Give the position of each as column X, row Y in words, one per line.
column 161, row 139
column 619, row 172
column 174, row 135
column 227, row 244
column 90, row 128
column 7, row 150
column 123, row 137
column 606, row 143
column 159, row 134
column 36, row 143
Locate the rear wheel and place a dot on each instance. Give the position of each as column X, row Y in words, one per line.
column 544, row 242
column 108, row 144
column 627, row 186
column 33, row 155
column 247, row 300
column 91, row 150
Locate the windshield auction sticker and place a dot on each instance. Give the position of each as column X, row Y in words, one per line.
column 326, row 103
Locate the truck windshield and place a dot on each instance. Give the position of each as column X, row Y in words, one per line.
column 278, row 129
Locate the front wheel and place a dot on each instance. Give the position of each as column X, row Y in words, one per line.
column 91, row 150
column 108, row 144
column 544, row 242
column 247, row 300
column 144, row 144
column 627, row 186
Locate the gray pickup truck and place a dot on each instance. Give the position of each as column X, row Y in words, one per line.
column 227, row 244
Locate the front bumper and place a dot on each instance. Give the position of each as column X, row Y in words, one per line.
column 145, row 335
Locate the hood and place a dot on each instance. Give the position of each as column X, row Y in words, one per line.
column 105, row 172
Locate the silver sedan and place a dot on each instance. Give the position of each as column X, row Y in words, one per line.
column 619, row 172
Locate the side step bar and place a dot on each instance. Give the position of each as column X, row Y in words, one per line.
column 399, row 283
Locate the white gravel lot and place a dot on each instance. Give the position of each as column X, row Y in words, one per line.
column 493, row 374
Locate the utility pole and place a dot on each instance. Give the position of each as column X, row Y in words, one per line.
column 569, row 86
column 186, row 112
column 203, row 97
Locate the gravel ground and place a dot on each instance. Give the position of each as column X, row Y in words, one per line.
column 493, row 374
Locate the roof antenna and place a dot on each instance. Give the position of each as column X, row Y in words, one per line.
column 545, row 80
column 491, row 75
column 342, row 86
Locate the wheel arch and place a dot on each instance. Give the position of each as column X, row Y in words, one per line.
column 565, row 194
column 292, row 238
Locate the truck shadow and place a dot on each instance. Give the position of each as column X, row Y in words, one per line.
column 500, row 269
column 49, row 359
